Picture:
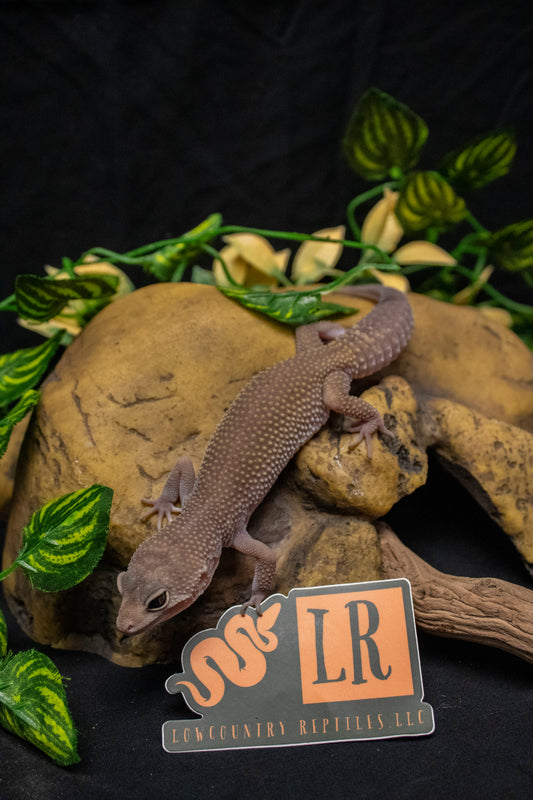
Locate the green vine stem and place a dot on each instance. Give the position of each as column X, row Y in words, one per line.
column 362, row 198
column 475, row 223
column 501, row 299
column 304, row 237
column 216, row 255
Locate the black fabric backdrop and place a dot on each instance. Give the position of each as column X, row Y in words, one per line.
column 123, row 123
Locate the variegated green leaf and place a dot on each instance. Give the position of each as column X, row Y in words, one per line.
column 23, row 369
column 292, row 308
column 3, row 636
column 383, row 134
column 480, row 161
column 40, row 299
column 33, row 705
column 427, row 200
column 511, row 248
column 7, row 423
column 65, row 539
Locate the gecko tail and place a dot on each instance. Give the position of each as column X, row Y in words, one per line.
column 371, row 291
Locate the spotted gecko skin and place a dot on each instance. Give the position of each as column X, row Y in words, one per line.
column 273, row 416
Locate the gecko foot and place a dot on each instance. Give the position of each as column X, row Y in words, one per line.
column 253, row 602
column 163, row 508
column 365, row 430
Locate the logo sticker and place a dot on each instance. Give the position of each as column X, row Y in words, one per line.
column 325, row 664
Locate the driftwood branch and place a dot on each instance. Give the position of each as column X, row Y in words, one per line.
column 484, row 610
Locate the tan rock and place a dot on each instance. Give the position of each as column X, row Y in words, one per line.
column 149, row 379
column 8, row 466
column 325, row 549
column 494, row 461
column 458, row 353
column 340, row 475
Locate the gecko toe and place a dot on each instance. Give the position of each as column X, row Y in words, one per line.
column 253, row 602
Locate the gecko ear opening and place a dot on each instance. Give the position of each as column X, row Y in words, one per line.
column 120, row 578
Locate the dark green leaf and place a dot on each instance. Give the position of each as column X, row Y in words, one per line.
column 65, row 539
column 40, row 299
column 511, row 248
column 480, row 161
column 292, row 308
column 383, row 134
column 427, row 200
column 7, row 423
column 23, row 369
column 3, row 636
column 168, row 263
column 33, row 705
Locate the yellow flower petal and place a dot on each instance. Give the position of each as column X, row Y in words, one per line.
column 237, row 267
column 421, row 252
column 466, row 295
column 392, row 279
column 281, row 259
column 381, row 226
column 313, row 260
column 256, row 251
column 48, row 329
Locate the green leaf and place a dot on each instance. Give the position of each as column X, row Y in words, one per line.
column 383, row 135
column 33, row 705
column 201, row 275
column 3, row 636
column 169, row 263
column 40, row 299
column 7, row 423
column 511, row 248
column 205, row 230
column 65, row 539
column 292, row 308
column 427, row 200
column 23, row 369
column 480, row 161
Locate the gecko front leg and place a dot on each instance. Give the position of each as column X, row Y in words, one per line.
column 265, row 567
column 178, row 487
column 363, row 418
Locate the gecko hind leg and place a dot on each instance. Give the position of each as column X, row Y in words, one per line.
column 178, row 487
column 360, row 417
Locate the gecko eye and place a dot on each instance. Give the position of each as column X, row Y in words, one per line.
column 158, row 600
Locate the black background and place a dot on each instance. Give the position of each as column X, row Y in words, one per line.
column 123, row 123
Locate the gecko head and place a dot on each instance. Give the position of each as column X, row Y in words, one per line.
column 156, row 587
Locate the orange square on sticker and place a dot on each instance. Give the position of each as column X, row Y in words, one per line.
column 354, row 645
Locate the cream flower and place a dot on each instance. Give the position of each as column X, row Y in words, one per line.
column 381, row 226
column 313, row 260
column 250, row 260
